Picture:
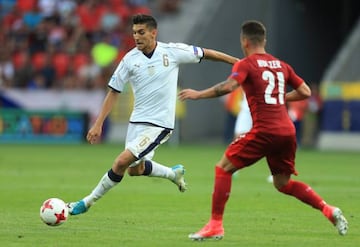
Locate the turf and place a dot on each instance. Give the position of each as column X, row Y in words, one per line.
column 151, row 212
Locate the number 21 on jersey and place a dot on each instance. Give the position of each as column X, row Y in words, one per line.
column 273, row 79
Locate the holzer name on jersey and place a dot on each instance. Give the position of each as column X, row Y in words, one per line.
column 272, row 64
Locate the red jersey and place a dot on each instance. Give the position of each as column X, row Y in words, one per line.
column 264, row 79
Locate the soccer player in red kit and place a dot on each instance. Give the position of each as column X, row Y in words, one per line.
column 264, row 79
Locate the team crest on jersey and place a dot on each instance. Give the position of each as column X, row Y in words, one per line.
column 151, row 70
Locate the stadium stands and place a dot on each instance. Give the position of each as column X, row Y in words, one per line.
column 40, row 34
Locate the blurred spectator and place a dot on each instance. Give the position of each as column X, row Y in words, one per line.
column 37, row 82
column 25, row 72
column 87, row 70
column 17, row 33
column 38, row 38
column 6, row 68
column 121, row 9
column 48, row 71
column 69, row 82
column 32, row 18
column 66, row 11
column 315, row 112
column 56, row 33
column 90, row 13
column 48, row 8
column 315, row 100
column 297, row 110
column 110, row 20
column 9, row 15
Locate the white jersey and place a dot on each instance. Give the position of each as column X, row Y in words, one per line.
column 154, row 81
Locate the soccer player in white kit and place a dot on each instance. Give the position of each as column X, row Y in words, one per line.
column 152, row 69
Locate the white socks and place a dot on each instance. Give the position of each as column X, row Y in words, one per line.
column 105, row 183
column 161, row 171
column 103, row 186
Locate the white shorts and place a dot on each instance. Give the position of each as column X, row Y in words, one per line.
column 142, row 140
column 243, row 122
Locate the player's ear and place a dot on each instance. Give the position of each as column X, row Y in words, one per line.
column 243, row 41
column 154, row 32
column 246, row 42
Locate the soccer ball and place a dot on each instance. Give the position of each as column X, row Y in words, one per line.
column 54, row 212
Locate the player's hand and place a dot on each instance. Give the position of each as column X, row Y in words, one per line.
column 94, row 134
column 188, row 94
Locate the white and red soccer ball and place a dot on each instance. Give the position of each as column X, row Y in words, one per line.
column 54, row 212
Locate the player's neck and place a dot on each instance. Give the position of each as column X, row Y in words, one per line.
column 150, row 51
column 256, row 50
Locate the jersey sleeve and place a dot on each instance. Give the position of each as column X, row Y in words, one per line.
column 239, row 71
column 294, row 80
column 185, row 53
column 120, row 77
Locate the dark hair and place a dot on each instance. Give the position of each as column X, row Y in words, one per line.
column 255, row 31
column 145, row 19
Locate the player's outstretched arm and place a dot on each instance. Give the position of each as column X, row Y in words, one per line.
column 219, row 89
column 301, row 93
column 219, row 56
column 94, row 133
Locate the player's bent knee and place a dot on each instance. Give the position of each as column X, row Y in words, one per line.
column 131, row 172
column 281, row 182
column 279, row 186
column 135, row 171
column 286, row 188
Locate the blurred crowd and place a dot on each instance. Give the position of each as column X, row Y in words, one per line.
column 66, row 44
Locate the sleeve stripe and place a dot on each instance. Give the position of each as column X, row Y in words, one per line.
column 114, row 89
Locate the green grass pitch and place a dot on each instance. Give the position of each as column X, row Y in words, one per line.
column 150, row 212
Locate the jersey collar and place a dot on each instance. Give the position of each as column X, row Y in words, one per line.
column 149, row 55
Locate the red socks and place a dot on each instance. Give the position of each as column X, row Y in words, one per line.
column 221, row 193
column 304, row 193
column 299, row 190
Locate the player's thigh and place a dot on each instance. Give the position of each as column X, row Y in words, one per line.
column 123, row 161
column 246, row 150
column 142, row 140
column 281, row 158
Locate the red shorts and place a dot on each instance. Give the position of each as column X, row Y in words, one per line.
column 278, row 150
